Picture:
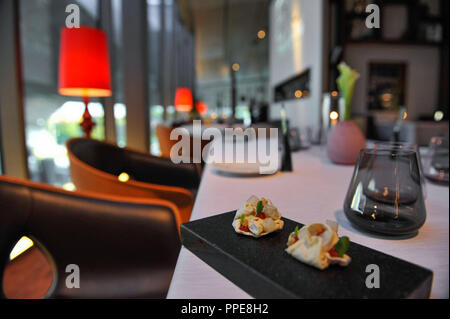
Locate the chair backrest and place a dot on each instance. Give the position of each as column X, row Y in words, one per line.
column 95, row 167
column 143, row 167
column 123, row 248
column 165, row 143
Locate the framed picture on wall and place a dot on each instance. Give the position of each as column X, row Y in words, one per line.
column 387, row 86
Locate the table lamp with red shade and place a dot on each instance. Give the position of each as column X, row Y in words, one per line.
column 184, row 102
column 84, row 67
column 201, row 107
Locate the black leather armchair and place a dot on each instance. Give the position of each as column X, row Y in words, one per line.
column 124, row 248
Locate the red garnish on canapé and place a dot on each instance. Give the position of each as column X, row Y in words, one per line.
column 320, row 232
column 333, row 252
column 244, row 228
column 261, row 215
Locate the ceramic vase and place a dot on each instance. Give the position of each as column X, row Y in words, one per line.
column 344, row 143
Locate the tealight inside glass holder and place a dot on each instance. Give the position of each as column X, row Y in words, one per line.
column 385, row 193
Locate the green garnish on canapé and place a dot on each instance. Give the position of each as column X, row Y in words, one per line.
column 259, row 207
column 242, row 219
column 296, row 231
column 342, row 245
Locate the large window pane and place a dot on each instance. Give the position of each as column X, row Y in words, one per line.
column 232, row 52
column 120, row 116
column 120, row 111
column 171, row 63
column 51, row 119
column 1, row 149
column 156, row 85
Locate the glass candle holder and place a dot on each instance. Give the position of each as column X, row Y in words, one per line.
column 437, row 161
column 385, row 194
column 395, row 146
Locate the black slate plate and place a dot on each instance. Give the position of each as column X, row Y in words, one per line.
column 263, row 269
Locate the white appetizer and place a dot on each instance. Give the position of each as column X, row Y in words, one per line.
column 257, row 217
column 319, row 245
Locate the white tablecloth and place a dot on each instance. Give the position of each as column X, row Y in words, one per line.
column 313, row 192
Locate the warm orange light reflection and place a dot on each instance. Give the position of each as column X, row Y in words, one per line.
column 261, row 34
column 124, row 177
column 334, row 115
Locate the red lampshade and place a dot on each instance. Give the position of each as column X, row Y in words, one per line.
column 201, row 107
column 84, row 63
column 183, row 100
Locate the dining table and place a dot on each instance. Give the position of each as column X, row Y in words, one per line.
column 313, row 192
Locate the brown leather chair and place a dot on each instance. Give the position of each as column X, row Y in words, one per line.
column 166, row 144
column 124, row 248
column 95, row 167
